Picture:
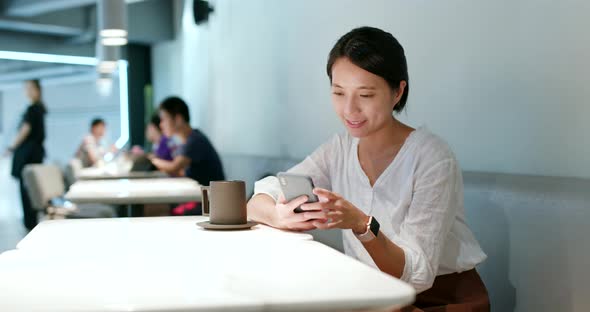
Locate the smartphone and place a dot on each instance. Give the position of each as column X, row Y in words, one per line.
column 295, row 185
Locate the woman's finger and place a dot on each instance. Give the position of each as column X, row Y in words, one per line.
column 326, row 225
column 334, row 214
column 333, row 224
column 313, row 206
column 309, row 215
column 302, row 226
column 325, row 193
column 296, row 202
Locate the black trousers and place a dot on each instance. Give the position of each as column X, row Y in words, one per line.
column 29, row 214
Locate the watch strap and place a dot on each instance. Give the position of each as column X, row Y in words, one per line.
column 368, row 235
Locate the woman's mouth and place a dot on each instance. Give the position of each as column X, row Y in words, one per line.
column 355, row 123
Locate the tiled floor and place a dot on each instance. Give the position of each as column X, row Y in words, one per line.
column 11, row 228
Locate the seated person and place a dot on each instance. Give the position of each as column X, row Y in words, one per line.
column 196, row 157
column 162, row 145
column 92, row 148
column 395, row 192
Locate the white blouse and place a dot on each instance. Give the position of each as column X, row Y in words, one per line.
column 418, row 200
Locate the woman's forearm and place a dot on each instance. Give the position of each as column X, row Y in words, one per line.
column 388, row 257
column 261, row 209
column 22, row 134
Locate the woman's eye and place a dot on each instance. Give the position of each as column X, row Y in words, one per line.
column 337, row 93
column 367, row 95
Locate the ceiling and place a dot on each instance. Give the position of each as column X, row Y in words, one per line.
column 12, row 71
column 68, row 27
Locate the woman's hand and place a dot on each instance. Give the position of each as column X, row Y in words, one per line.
column 286, row 218
column 336, row 212
column 136, row 150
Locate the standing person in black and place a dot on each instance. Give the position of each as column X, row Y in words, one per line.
column 28, row 146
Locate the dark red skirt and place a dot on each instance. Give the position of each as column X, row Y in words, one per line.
column 457, row 292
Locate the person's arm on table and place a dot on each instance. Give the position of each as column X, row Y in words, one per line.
column 171, row 167
column 280, row 214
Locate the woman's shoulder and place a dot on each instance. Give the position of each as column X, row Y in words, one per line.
column 429, row 147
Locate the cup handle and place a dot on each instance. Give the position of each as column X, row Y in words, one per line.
column 205, row 190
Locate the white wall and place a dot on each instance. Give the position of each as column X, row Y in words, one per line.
column 72, row 105
column 502, row 81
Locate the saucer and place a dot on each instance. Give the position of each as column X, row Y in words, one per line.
column 227, row 227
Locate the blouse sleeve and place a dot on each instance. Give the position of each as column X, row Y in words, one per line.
column 316, row 165
column 438, row 192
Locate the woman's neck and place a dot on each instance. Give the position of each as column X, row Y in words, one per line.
column 392, row 134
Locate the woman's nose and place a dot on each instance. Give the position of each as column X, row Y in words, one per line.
column 351, row 106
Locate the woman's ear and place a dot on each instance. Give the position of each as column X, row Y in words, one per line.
column 399, row 92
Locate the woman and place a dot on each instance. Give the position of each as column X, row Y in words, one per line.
column 395, row 191
column 28, row 146
column 162, row 146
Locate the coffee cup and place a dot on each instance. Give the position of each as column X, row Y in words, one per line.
column 225, row 202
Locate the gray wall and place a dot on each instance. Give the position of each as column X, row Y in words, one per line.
column 534, row 230
column 502, row 81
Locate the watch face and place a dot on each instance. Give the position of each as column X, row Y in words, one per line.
column 374, row 226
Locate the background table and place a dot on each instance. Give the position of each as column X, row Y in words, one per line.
column 93, row 173
column 135, row 191
column 170, row 264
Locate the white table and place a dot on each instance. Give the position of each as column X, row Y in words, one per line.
column 135, row 191
column 173, row 265
column 102, row 173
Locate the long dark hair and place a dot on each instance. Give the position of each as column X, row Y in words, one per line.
column 377, row 52
column 155, row 120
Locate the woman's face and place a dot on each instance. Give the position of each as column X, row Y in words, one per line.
column 363, row 101
column 32, row 91
column 152, row 133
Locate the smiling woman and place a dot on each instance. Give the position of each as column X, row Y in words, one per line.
column 395, row 191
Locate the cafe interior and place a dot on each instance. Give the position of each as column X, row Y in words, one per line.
column 242, row 155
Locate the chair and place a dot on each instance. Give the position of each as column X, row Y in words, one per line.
column 72, row 170
column 45, row 185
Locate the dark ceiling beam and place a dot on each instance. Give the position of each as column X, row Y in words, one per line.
column 28, row 8
column 43, row 73
column 11, row 24
column 37, row 43
column 149, row 22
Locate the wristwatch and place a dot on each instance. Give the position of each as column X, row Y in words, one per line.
column 371, row 232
